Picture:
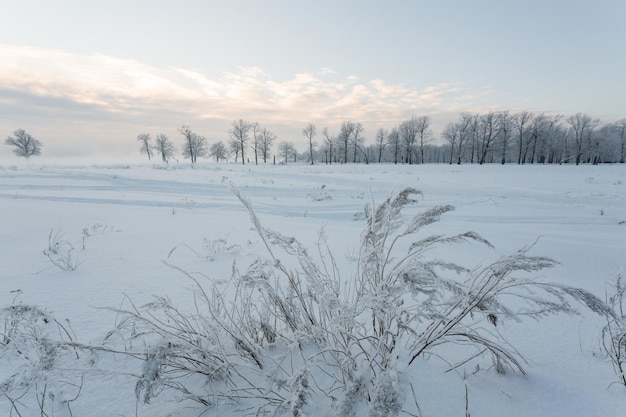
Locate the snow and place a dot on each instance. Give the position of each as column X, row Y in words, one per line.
column 136, row 221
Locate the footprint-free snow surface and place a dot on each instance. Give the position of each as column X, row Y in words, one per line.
column 133, row 229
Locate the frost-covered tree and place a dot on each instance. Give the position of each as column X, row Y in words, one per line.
column 25, row 145
column 357, row 139
column 194, row 146
column 256, row 140
column 343, row 138
column 164, row 147
column 329, row 141
column 239, row 131
column 381, row 136
column 234, row 148
column 287, row 150
column 267, row 139
column 309, row 132
column 393, row 139
column 408, row 130
column 218, row 151
column 146, row 146
column 581, row 126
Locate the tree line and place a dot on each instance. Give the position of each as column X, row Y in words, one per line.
column 494, row 137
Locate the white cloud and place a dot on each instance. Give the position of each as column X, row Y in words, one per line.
column 126, row 86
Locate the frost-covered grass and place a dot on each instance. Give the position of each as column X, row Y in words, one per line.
column 179, row 247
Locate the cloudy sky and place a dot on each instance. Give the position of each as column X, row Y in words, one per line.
column 86, row 77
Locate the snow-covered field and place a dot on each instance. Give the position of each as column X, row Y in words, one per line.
column 129, row 225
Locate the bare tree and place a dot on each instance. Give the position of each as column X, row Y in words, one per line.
column 195, row 146
column 256, row 140
column 343, row 138
column 188, row 147
column 309, row 132
column 487, row 133
column 287, row 150
column 146, row 146
column 357, row 139
column 234, row 148
column 451, row 135
column 267, row 138
column 521, row 121
column 164, row 147
column 581, row 126
column 465, row 134
column 537, row 128
column 381, row 136
column 504, row 127
column 408, row 132
column 621, row 128
column 328, row 141
column 240, row 132
column 424, row 134
column 393, row 138
column 218, row 151
column 25, row 145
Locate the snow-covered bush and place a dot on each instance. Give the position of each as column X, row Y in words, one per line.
column 35, row 349
column 320, row 194
column 61, row 252
column 293, row 334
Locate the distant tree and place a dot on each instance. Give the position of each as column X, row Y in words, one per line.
column 504, row 126
column 343, row 138
column 424, row 134
column 328, row 144
column 487, row 133
column 465, row 134
column 393, row 139
column 239, row 132
column 309, row 132
column 381, row 135
column 357, row 139
column 621, row 128
column 451, row 135
column 164, row 147
column 287, row 150
column 256, row 140
column 146, row 146
column 267, row 138
column 195, row 146
column 537, row 132
column 581, row 126
column 521, row 121
column 218, row 151
column 408, row 133
column 234, row 148
column 25, row 145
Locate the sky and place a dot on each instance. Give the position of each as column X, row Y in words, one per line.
column 86, row 77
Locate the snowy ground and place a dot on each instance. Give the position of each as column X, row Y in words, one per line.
column 124, row 221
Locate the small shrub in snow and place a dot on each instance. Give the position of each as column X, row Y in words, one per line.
column 95, row 229
column 61, row 252
column 214, row 247
column 211, row 248
column 320, row 194
column 34, row 352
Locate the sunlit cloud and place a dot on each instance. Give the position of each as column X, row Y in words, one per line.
column 116, row 84
column 146, row 94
